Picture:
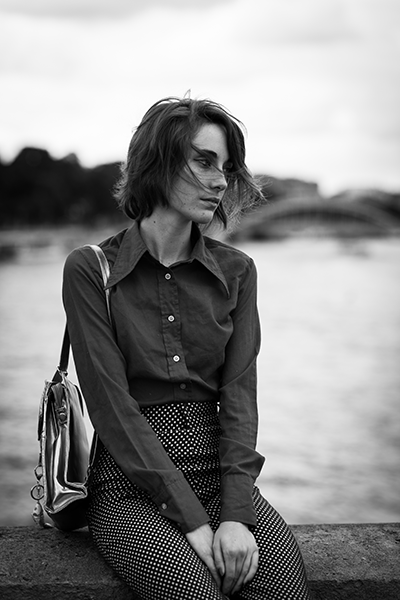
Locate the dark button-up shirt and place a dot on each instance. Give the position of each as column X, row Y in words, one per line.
column 188, row 332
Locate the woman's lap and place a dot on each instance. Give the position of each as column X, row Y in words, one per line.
column 148, row 551
column 153, row 556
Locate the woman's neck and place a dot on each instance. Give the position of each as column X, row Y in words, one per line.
column 166, row 241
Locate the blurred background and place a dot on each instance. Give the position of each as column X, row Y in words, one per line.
column 317, row 84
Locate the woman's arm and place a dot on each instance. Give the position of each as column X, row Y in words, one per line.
column 234, row 547
column 114, row 412
column 240, row 463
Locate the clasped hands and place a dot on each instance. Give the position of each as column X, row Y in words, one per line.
column 231, row 553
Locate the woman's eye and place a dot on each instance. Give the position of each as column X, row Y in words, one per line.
column 204, row 162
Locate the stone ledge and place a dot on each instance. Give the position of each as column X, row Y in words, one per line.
column 357, row 562
column 354, row 562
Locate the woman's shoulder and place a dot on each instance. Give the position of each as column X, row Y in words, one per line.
column 228, row 255
column 84, row 254
column 82, row 261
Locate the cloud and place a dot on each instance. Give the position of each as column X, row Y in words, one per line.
column 296, row 22
column 313, row 104
column 95, row 8
column 323, row 22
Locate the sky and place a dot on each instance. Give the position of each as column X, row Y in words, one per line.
column 316, row 82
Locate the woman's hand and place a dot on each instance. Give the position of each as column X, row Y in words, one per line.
column 235, row 555
column 201, row 540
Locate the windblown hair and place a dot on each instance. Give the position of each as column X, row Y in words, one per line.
column 158, row 152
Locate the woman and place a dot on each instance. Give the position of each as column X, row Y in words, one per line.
column 170, row 384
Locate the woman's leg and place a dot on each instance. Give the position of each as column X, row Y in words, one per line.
column 146, row 550
column 281, row 574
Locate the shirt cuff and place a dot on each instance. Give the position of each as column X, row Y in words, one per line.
column 237, row 499
column 179, row 503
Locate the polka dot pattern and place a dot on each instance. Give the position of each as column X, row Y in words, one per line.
column 151, row 553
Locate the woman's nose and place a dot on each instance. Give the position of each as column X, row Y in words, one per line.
column 219, row 180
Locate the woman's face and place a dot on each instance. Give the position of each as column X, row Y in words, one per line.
column 199, row 188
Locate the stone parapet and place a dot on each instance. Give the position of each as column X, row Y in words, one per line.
column 357, row 562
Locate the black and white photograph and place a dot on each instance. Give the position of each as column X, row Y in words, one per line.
column 200, row 299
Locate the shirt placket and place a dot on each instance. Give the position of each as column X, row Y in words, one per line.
column 172, row 334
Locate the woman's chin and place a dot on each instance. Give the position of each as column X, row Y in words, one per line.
column 204, row 218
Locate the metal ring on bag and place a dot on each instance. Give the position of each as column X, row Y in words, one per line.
column 38, row 472
column 37, row 491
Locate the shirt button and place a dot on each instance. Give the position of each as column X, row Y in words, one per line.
column 164, row 506
column 171, row 318
column 176, row 358
column 167, row 275
column 182, row 386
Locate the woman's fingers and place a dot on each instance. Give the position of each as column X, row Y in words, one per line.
column 235, row 555
column 232, row 575
column 231, row 555
column 201, row 540
column 209, row 561
column 239, row 572
column 247, row 571
column 253, row 567
column 219, row 559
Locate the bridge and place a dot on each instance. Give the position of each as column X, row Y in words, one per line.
column 299, row 216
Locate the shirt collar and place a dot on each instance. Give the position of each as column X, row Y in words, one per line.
column 204, row 255
column 133, row 247
column 130, row 252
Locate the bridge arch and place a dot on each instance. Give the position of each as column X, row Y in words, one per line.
column 300, row 216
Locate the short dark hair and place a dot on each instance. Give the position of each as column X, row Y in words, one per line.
column 159, row 149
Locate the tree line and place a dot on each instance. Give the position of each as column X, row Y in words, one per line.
column 36, row 189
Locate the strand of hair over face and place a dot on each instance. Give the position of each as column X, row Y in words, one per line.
column 244, row 192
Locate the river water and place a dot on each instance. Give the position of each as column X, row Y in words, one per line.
column 329, row 374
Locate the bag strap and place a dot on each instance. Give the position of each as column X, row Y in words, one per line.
column 105, row 273
column 64, row 358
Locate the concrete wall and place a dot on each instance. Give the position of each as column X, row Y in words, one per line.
column 356, row 562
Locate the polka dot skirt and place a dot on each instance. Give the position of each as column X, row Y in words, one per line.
column 151, row 553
